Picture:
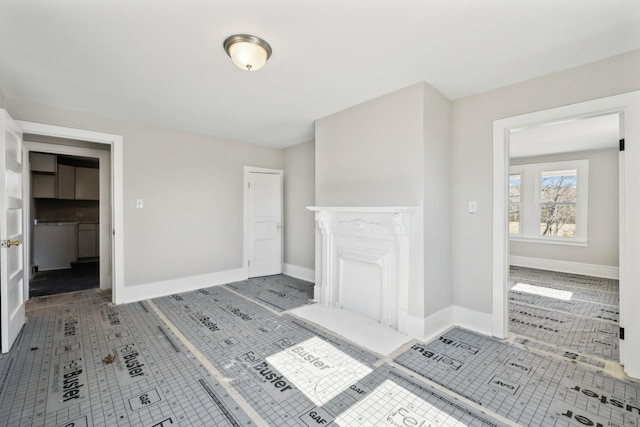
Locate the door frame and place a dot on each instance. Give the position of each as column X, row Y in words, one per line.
column 115, row 228
column 247, row 229
column 628, row 106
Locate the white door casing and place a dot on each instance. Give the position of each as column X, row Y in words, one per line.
column 263, row 210
column 12, row 277
column 110, row 188
column 628, row 106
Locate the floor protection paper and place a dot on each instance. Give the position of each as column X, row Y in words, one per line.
column 581, row 334
column 388, row 397
column 279, row 292
column 293, row 373
column 527, row 388
column 564, row 279
column 577, row 307
column 575, row 312
column 80, row 361
column 254, row 348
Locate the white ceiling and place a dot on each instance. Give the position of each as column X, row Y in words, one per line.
column 591, row 133
column 162, row 62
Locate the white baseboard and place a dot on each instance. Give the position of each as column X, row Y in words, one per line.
column 434, row 325
column 415, row 327
column 473, row 320
column 298, row 272
column 595, row 270
column 437, row 323
column 186, row 284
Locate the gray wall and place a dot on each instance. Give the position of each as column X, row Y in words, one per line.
column 299, row 192
column 471, row 166
column 438, row 293
column 1, row 100
column 371, row 154
column 602, row 226
column 192, row 186
column 395, row 151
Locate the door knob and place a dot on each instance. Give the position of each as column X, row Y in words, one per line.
column 9, row 243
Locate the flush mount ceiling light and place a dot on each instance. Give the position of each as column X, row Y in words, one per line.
column 249, row 53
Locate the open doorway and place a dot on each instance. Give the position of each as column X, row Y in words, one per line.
column 67, row 189
column 111, row 184
column 628, row 106
column 65, row 213
column 564, row 236
column 17, row 229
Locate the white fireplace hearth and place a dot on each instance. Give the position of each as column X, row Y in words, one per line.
column 363, row 261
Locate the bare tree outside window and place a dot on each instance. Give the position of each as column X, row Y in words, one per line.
column 514, row 204
column 558, row 197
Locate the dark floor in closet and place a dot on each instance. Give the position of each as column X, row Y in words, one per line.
column 81, row 276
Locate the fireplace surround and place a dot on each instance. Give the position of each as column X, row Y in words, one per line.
column 363, row 261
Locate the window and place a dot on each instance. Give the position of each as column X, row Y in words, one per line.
column 548, row 202
column 558, row 203
column 514, row 204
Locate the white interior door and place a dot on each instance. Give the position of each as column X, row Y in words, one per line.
column 265, row 223
column 11, row 232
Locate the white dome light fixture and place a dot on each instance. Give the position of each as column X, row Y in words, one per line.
column 248, row 52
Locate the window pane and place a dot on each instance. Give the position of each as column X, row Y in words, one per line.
column 514, row 219
column 514, row 189
column 558, row 220
column 514, row 204
column 558, row 186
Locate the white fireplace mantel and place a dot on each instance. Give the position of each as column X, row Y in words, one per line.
column 381, row 209
column 363, row 261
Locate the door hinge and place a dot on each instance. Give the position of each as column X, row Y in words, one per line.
column 622, row 144
column 248, row 184
column 621, row 333
column 249, row 263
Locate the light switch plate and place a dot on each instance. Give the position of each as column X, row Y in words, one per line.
column 473, row 206
column 139, row 203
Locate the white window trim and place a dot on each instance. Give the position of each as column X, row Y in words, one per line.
column 530, row 202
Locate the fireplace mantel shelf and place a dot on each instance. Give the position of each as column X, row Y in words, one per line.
column 391, row 209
